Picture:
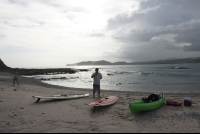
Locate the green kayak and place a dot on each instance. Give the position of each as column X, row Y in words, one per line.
column 141, row 105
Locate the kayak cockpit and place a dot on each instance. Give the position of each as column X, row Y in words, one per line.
column 154, row 101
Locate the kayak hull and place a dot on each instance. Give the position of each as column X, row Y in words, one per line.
column 140, row 106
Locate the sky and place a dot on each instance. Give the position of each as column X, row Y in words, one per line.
column 37, row 33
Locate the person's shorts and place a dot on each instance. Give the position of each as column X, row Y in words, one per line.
column 96, row 88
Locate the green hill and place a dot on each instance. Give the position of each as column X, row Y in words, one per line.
column 2, row 65
column 167, row 61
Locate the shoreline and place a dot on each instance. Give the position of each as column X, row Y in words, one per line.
column 46, row 71
column 19, row 113
column 105, row 90
column 141, row 80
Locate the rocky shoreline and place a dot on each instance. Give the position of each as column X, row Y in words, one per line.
column 47, row 71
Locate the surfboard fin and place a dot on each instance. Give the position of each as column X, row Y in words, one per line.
column 37, row 100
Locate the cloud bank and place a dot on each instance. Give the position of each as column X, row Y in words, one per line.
column 158, row 29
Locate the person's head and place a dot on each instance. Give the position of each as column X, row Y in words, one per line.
column 96, row 69
column 15, row 70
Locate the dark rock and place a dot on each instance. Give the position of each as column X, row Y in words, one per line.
column 94, row 129
column 45, row 79
column 119, row 84
column 15, row 90
column 82, row 70
column 60, row 78
column 53, row 78
column 47, row 71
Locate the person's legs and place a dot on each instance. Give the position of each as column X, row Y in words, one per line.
column 13, row 81
column 96, row 88
column 17, row 81
column 93, row 94
column 94, row 91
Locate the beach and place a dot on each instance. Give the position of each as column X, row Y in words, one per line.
column 20, row 113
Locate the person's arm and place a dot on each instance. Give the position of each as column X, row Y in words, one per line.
column 101, row 76
column 93, row 75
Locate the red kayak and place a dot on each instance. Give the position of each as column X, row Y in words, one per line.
column 105, row 101
column 173, row 103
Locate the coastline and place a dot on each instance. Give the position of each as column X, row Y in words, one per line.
column 19, row 113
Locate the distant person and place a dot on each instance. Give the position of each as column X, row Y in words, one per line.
column 96, row 82
column 15, row 78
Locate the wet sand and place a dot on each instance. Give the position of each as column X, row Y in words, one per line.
column 20, row 113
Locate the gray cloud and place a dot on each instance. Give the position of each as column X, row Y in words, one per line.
column 38, row 13
column 2, row 36
column 157, row 28
column 19, row 2
column 65, row 8
column 159, row 13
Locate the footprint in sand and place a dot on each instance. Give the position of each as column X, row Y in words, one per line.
column 94, row 129
column 93, row 122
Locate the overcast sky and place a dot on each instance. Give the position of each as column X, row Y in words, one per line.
column 36, row 33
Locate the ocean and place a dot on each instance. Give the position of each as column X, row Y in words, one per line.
column 155, row 77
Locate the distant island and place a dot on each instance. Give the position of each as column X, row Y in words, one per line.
column 167, row 61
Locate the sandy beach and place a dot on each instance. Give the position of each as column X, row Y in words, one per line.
column 20, row 113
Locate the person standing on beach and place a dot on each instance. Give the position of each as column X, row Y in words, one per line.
column 96, row 82
column 15, row 78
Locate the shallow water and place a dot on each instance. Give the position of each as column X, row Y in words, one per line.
column 156, row 77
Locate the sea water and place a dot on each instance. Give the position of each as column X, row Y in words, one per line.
column 152, row 77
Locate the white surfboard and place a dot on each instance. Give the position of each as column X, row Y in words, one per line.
column 60, row 97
